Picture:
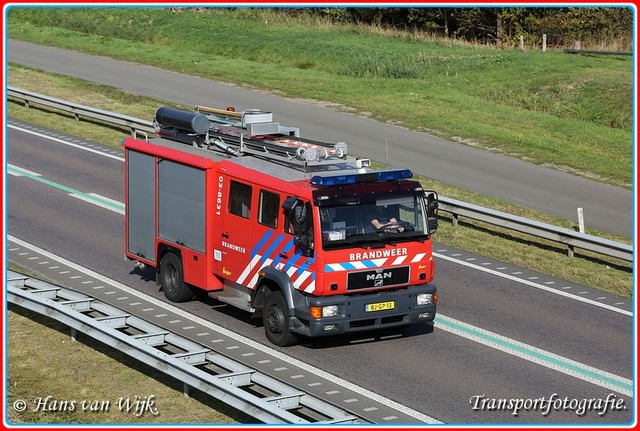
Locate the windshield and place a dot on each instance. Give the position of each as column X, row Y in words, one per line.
column 387, row 220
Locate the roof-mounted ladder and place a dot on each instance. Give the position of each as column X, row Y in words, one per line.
column 251, row 132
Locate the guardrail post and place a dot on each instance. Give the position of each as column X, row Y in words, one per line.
column 571, row 251
column 186, row 389
column 454, row 220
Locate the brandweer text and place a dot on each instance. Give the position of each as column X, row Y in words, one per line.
column 377, row 254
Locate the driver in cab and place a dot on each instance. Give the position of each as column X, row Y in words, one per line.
column 383, row 221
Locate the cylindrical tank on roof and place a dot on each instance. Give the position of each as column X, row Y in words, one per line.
column 183, row 120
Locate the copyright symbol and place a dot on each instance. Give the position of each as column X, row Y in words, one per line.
column 19, row 405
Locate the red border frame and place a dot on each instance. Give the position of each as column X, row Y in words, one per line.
column 3, row 228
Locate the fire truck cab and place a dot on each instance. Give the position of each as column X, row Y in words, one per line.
column 234, row 205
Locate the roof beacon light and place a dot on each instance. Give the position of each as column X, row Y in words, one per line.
column 363, row 163
column 336, row 180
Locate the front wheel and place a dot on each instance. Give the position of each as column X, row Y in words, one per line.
column 275, row 318
column 172, row 279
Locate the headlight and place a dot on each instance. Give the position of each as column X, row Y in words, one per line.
column 327, row 311
column 424, row 298
column 330, row 311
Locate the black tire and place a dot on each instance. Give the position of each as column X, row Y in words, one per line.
column 172, row 279
column 275, row 318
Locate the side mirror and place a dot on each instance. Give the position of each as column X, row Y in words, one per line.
column 290, row 203
column 296, row 211
column 433, row 225
column 431, row 199
column 432, row 203
column 300, row 219
column 299, row 213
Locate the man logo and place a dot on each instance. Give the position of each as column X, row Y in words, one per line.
column 378, row 278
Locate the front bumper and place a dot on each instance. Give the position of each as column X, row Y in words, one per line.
column 353, row 317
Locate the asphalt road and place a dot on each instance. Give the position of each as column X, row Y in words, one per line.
column 436, row 373
column 607, row 208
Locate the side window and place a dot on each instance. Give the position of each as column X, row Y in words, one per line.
column 240, row 199
column 268, row 210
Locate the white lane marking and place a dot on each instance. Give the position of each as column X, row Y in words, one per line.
column 536, row 285
column 21, row 172
column 62, row 141
column 96, row 199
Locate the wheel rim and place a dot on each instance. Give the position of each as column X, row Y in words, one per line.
column 275, row 320
column 171, row 278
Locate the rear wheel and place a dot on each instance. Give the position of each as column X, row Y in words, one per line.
column 275, row 318
column 172, row 279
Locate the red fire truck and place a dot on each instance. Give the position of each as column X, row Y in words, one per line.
column 237, row 206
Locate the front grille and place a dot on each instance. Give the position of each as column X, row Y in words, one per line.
column 381, row 322
column 391, row 319
column 378, row 278
column 362, row 323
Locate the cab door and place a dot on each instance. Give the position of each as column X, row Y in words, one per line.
column 232, row 250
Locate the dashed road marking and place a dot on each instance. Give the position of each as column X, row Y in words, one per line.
column 561, row 292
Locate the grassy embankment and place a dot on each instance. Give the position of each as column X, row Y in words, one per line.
column 545, row 108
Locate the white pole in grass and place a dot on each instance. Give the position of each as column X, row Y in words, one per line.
column 386, row 146
column 544, row 43
column 580, row 220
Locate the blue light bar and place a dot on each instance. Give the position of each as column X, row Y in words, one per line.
column 370, row 177
column 333, row 180
column 399, row 174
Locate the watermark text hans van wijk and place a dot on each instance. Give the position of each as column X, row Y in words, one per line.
column 136, row 405
column 545, row 405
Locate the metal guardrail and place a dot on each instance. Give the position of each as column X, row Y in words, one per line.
column 250, row 391
column 570, row 238
column 595, row 52
column 135, row 124
column 457, row 208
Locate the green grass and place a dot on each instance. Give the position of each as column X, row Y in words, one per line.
column 520, row 249
column 571, row 112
